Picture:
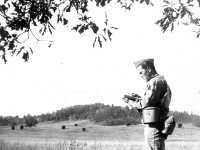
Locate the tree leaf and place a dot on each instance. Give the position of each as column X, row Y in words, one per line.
column 147, row 2
column 4, row 58
column 100, row 42
column 104, row 38
column 50, row 30
column 58, row 18
column 31, row 50
column 198, row 2
column 141, row 1
column 81, row 30
column 20, row 50
column 76, row 27
column 114, row 28
column 172, row 27
column 11, row 45
column 25, row 56
column 109, row 34
column 65, row 21
column 94, row 41
column 51, row 25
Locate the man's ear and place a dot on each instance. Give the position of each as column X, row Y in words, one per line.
column 149, row 69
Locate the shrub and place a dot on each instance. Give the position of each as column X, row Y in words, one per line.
column 63, row 126
column 31, row 121
column 76, row 124
column 83, row 129
column 128, row 124
column 21, row 127
column 196, row 123
column 13, row 127
column 122, row 121
column 179, row 125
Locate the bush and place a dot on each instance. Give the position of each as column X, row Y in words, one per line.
column 13, row 128
column 83, row 129
column 76, row 124
column 63, row 126
column 196, row 123
column 31, row 121
column 122, row 121
column 21, row 127
column 179, row 125
column 128, row 124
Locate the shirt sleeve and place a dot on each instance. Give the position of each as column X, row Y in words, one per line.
column 150, row 96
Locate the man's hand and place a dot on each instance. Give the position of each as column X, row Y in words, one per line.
column 126, row 100
column 136, row 95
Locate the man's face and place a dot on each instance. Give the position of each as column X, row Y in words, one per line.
column 144, row 73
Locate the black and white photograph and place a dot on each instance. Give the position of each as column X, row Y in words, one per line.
column 99, row 75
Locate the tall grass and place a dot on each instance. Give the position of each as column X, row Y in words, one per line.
column 65, row 145
column 75, row 145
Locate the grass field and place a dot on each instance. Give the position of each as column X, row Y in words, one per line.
column 50, row 136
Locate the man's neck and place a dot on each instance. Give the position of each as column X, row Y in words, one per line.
column 153, row 75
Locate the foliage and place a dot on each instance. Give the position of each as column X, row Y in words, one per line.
column 177, row 13
column 122, row 121
column 21, row 18
column 31, row 121
column 9, row 120
column 106, row 114
column 196, row 123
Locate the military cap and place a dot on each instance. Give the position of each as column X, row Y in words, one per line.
column 140, row 62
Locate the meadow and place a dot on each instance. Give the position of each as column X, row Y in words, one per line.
column 51, row 136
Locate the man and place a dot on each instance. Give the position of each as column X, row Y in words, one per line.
column 158, row 94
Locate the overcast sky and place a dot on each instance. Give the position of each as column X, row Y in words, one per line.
column 72, row 72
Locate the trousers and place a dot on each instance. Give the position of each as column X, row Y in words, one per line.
column 154, row 139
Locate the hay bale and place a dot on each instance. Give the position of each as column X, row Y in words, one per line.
column 13, row 127
column 63, row 126
column 21, row 127
column 179, row 125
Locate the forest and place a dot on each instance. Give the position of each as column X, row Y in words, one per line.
column 107, row 115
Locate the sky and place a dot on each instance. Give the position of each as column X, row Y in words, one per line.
column 72, row 72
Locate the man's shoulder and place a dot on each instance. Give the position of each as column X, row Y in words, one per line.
column 157, row 79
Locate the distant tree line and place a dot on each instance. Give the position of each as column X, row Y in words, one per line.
column 108, row 115
column 28, row 120
column 98, row 112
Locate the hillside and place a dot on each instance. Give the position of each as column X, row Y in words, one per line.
column 53, row 130
column 107, row 115
column 49, row 135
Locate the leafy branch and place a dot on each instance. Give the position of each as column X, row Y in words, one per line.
column 19, row 17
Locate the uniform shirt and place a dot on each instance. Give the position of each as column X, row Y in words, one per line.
column 158, row 94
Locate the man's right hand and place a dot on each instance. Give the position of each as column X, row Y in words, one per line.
column 126, row 100
column 136, row 95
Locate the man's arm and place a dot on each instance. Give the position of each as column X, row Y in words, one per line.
column 150, row 98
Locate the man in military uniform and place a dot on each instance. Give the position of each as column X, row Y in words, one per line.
column 158, row 94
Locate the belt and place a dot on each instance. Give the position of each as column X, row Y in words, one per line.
column 153, row 125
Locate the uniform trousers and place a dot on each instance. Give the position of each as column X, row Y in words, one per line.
column 154, row 139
